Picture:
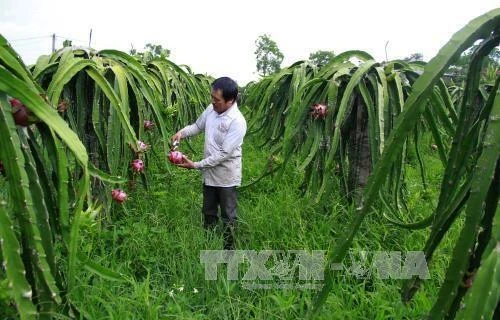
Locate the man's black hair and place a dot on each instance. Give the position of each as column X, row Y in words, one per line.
column 228, row 86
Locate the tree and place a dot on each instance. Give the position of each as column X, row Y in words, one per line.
column 491, row 63
column 151, row 52
column 417, row 56
column 321, row 57
column 268, row 56
column 67, row 43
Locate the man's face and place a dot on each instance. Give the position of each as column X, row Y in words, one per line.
column 220, row 105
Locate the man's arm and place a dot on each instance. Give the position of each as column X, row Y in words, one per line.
column 195, row 128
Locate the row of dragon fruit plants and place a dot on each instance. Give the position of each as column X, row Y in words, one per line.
column 356, row 123
column 74, row 128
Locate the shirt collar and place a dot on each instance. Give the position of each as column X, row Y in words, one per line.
column 229, row 111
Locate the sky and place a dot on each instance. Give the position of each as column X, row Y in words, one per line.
column 218, row 37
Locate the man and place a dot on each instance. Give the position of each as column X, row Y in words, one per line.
column 224, row 127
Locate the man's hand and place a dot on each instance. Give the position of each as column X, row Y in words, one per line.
column 188, row 164
column 176, row 137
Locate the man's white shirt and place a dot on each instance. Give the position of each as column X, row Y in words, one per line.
column 224, row 135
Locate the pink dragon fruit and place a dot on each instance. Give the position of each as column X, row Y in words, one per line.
column 318, row 111
column 62, row 106
column 137, row 165
column 119, row 195
column 142, row 146
column 20, row 112
column 470, row 279
column 148, row 125
column 176, row 157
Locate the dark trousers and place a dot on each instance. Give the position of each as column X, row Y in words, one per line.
column 227, row 199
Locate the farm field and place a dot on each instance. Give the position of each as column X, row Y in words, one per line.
column 370, row 188
column 157, row 243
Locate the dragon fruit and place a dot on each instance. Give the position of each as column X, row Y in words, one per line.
column 142, row 146
column 62, row 106
column 470, row 279
column 148, row 125
column 176, row 157
column 119, row 195
column 318, row 111
column 20, row 112
column 137, row 165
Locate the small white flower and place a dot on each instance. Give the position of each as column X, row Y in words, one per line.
column 180, row 288
column 195, row 290
column 171, row 293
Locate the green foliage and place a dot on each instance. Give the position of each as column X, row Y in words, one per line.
column 89, row 110
column 402, row 102
column 67, row 43
column 414, row 57
column 321, row 58
column 31, row 202
column 268, row 55
column 471, row 150
column 151, row 51
column 281, row 113
column 156, row 242
column 490, row 66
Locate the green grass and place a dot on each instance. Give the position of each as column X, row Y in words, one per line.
column 156, row 238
